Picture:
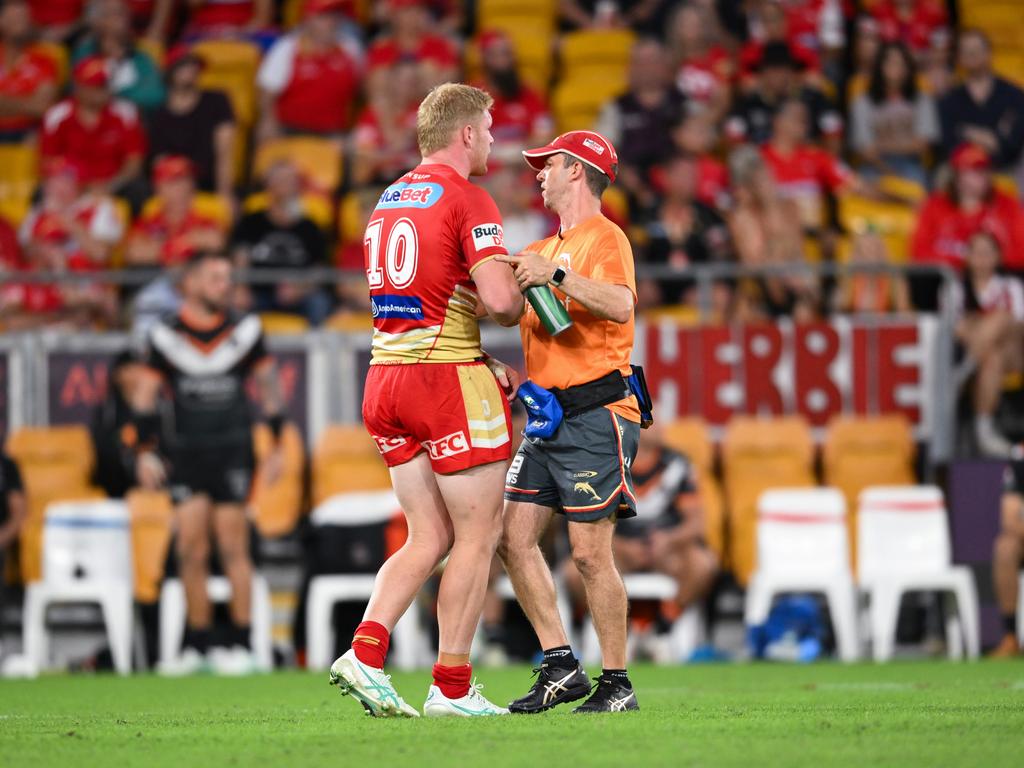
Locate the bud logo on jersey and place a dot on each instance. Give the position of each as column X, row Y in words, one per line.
column 594, row 146
column 450, row 445
column 403, row 195
column 385, row 444
column 403, row 307
column 488, row 236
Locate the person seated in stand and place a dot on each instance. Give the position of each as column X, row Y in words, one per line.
column 28, row 75
column 867, row 292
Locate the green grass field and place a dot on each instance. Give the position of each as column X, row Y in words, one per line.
column 927, row 713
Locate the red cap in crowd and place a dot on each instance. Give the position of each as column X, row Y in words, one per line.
column 172, row 167
column 970, row 157
column 91, row 71
column 589, row 147
column 314, row 7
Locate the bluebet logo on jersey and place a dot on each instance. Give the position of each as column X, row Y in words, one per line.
column 488, row 236
column 403, row 195
column 402, row 307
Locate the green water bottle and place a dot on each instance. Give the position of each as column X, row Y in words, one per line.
column 553, row 314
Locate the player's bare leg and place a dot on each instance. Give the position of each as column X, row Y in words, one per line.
column 231, row 532
column 1007, row 555
column 591, row 545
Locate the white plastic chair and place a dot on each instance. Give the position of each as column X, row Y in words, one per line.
column 87, row 558
column 325, row 591
column 172, row 617
column 687, row 631
column 802, row 546
column 903, row 546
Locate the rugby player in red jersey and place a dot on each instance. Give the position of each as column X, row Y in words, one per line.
column 434, row 406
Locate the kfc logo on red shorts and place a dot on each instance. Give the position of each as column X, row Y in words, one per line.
column 488, row 236
column 450, row 445
column 385, row 444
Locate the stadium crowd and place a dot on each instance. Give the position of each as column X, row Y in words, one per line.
column 751, row 133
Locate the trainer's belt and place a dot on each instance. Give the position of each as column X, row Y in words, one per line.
column 585, row 397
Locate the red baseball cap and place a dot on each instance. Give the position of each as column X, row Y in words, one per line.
column 970, row 157
column 589, row 147
column 91, row 71
column 172, row 167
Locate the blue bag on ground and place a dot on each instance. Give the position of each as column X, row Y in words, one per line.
column 543, row 411
column 793, row 631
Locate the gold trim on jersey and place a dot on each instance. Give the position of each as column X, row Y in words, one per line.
column 456, row 340
column 485, row 412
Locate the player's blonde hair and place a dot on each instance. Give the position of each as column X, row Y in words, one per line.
column 445, row 110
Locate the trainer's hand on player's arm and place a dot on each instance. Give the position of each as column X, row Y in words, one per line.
column 150, row 471
column 604, row 300
column 507, row 376
column 530, row 268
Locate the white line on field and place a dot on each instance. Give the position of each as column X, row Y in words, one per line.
column 867, row 686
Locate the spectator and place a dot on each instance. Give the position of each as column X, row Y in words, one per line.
column 172, row 231
column 990, row 317
column 704, row 69
column 196, row 124
column 513, row 193
column 668, row 534
column 11, row 258
column 227, row 18
column 134, row 76
column 639, row 122
column 680, row 233
column 385, row 134
column 985, row 110
column 863, row 292
column 308, row 82
column 867, row 42
column 696, row 135
column 765, row 230
column 912, row 22
column 57, row 20
column 89, row 220
column 409, row 38
column 1007, row 557
column 644, row 16
column 805, row 174
column 893, row 125
column 282, row 237
column 770, row 25
column 778, row 80
column 968, row 203
column 28, row 76
column 13, row 514
column 935, row 65
column 100, row 135
column 520, row 114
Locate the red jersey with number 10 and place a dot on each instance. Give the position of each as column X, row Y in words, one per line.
column 429, row 231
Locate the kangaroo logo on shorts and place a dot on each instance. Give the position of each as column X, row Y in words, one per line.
column 586, row 488
column 449, row 445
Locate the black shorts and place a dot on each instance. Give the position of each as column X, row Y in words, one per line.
column 1013, row 478
column 582, row 471
column 224, row 474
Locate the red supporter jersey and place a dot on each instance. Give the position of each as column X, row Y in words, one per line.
column 47, row 13
column 320, row 94
column 429, row 231
column 99, row 150
column 30, row 70
column 943, row 230
column 519, row 118
column 431, row 49
column 928, row 17
column 805, row 171
column 177, row 246
column 221, row 13
column 699, row 77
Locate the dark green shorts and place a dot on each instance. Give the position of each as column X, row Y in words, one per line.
column 583, row 470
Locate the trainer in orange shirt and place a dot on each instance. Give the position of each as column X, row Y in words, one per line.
column 582, row 470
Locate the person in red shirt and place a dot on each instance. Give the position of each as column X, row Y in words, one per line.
column 409, row 36
column 172, row 231
column 773, row 27
column 28, row 77
column 912, row 22
column 970, row 202
column 704, row 68
column 521, row 115
column 308, row 82
column 102, row 136
column 385, row 133
column 695, row 136
column 217, row 18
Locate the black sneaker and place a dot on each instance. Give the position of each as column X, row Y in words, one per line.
column 609, row 696
column 554, row 685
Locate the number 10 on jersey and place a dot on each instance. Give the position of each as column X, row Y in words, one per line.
column 400, row 254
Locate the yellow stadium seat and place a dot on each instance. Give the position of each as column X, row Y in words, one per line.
column 318, row 160
column 758, row 454
column 152, row 515
column 283, row 323
column 601, row 48
column 690, row 436
column 346, row 460
column 893, row 221
column 679, row 314
column 230, row 66
column 15, row 210
column 205, row 203
column 316, row 207
column 59, row 54
column 906, row 189
column 277, row 506
column 1006, row 183
column 350, row 322
column 576, row 103
column 353, row 213
column 20, row 176
column 861, row 451
column 492, row 13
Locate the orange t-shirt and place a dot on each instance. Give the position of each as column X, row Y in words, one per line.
column 592, row 347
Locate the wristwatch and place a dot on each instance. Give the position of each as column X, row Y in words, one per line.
column 557, row 277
